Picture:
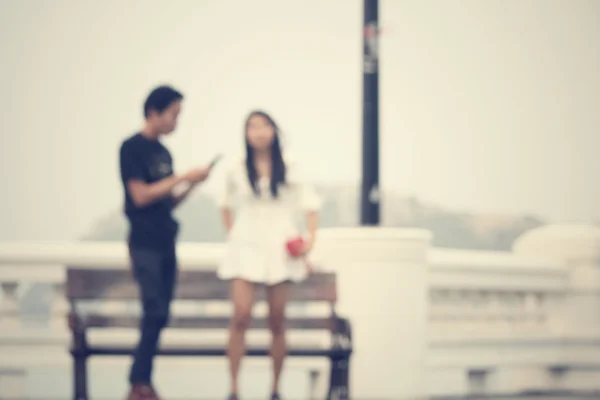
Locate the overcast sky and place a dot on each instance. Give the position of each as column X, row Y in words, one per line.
column 486, row 105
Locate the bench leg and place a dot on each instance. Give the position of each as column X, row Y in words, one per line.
column 80, row 377
column 339, row 388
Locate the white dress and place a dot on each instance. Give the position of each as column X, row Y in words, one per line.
column 256, row 244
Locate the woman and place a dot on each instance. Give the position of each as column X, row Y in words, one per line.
column 264, row 195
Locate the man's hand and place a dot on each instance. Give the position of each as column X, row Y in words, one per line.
column 190, row 180
column 197, row 175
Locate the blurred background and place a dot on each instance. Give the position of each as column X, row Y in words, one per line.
column 489, row 122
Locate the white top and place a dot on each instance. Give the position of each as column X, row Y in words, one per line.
column 256, row 245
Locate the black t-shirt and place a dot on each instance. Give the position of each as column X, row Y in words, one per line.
column 149, row 161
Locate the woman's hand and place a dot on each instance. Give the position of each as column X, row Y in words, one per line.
column 307, row 245
column 309, row 267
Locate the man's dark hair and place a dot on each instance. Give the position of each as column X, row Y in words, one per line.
column 160, row 99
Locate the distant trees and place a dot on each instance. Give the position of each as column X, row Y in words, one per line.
column 201, row 221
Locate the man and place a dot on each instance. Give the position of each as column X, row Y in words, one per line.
column 149, row 183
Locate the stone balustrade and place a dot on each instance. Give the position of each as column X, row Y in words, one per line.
column 433, row 321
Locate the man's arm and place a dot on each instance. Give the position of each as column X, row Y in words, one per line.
column 180, row 195
column 195, row 177
column 144, row 194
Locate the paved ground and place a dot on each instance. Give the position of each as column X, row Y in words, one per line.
column 531, row 397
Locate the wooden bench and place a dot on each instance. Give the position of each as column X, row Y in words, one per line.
column 110, row 285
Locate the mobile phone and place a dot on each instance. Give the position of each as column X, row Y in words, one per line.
column 215, row 161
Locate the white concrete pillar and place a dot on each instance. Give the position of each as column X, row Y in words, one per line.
column 12, row 384
column 382, row 275
column 578, row 246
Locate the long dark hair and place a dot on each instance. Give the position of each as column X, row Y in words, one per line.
column 277, row 164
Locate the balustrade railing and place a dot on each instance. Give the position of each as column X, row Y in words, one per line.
column 512, row 311
column 472, row 295
column 492, row 295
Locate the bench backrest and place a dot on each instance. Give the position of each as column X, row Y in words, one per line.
column 84, row 285
column 118, row 284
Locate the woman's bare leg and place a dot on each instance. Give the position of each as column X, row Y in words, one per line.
column 277, row 296
column 242, row 296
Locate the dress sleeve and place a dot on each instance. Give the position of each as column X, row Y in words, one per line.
column 308, row 198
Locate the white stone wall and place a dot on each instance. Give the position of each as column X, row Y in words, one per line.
column 426, row 321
